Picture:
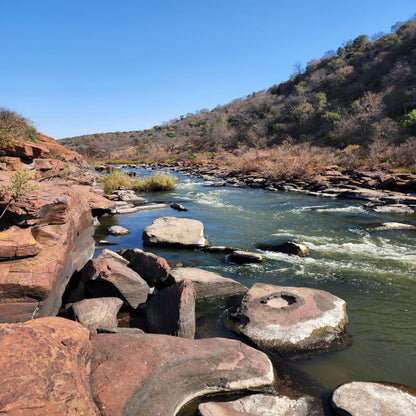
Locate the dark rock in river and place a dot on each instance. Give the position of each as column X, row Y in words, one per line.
column 208, row 284
column 219, row 249
column 108, row 275
column 178, row 207
column 172, row 311
column 262, row 405
column 290, row 320
column 176, row 232
column 168, row 372
column 153, row 269
column 288, row 247
column 375, row 399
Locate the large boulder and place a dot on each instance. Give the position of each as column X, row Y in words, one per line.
column 60, row 221
column 44, row 369
column 97, row 312
column 262, row 405
column 176, row 232
column 153, row 269
column 109, row 275
column 208, row 284
column 374, row 399
column 162, row 383
column 290, row 319
column 172, row 311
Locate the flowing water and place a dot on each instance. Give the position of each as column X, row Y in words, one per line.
column 373, row 271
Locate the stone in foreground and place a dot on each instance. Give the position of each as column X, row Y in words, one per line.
column 261, row 405
column 172, row 311
column 290, row 320
column 97, row 312
column 175, row 232
column 44, row 369
column 153, row 269
column 374, row 399
column 161, row 384
column 208, row 284
column 242, row 257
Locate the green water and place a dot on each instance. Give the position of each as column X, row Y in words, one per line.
column 373, row 271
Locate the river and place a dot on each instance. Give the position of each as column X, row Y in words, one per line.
column 373, row 271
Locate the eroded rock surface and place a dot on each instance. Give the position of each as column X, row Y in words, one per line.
column 208, row 284
column 374, row 399
column 44, row 369
column 290, row 319
column 176, row 232
column 162, row 383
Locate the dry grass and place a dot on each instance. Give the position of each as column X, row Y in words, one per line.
column 115, row 180
column 155, row 183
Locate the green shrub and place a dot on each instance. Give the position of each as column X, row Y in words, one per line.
column 15, row 127
column 409, row 121
column 155, row 183
column 115, row 180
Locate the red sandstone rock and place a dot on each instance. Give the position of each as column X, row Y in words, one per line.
column 16, row 243
column 11, row 163
column 138, row 375
column 48, row 167
column 44, row 369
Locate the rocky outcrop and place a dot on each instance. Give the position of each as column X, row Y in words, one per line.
column 60, row 221
column 241, row 257
column 262, row 405
column 290, row 320
column 175, row 232
column 375, row 399
column 109, row 275
column 44, row 369
column 208, row 284
column 18, row 243
column 97, row 312
column 153, row 269
column 161, row 384
column 172, row 311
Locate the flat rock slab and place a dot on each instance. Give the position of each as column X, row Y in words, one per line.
column 172, row 311
column 132, row 377
column 18, row 243
column 153, row 269
column 109, row 275
column 374, row 399
column 290, row 320
column 242, row 257
column 176, row 232
column 208, row 284
column 262, row 405
column 44, row 369
column 97, row 312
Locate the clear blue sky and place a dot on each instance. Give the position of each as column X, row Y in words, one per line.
column 87, row 66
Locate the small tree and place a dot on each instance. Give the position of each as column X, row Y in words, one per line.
column 18, row 188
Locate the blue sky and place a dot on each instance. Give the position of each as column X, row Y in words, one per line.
column 87, row 66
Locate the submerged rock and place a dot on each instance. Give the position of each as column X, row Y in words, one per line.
column 97, row 312
column 290, row 320
column 241, row 257
column 44, row 369
column 118, row 230
column 375, row 399
column 261, row 405
column 208, row 284
column 176, row 232
column 172, row 311
column 162, row 383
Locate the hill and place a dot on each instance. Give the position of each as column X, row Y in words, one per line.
column 360, row 100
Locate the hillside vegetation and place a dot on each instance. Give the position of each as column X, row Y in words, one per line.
column 355, row 106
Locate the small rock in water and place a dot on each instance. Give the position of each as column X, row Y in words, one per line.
column 391, row 226
column 376, row 399
column 288, row 247
column 393, row 209
column 178, row 207
column 107, row 243
column 220, row 249
column 118, row 230
column 241, row 257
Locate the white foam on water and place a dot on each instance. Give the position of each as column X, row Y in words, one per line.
column 353, row 209
column 300, row 238
column 187, row 184
column 212, row 198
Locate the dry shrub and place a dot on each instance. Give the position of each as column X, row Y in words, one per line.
column 155, row 183
column 115, row 180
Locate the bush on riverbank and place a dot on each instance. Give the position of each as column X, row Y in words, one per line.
column 115, row 180
column 155, row 183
